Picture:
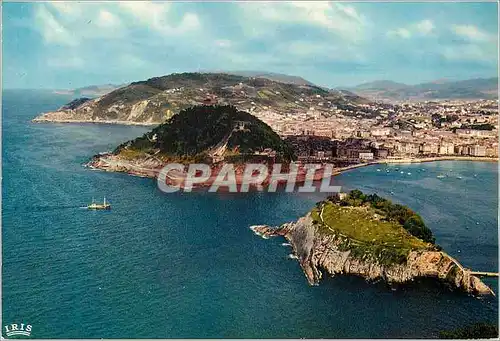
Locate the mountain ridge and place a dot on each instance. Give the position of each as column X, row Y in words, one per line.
column 475, row 88
column 90, row 90
column 275, row 76
column 155, row 100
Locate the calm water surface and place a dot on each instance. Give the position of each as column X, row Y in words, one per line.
column 187, row 265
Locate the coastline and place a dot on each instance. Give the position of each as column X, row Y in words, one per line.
column 339, row 171
column 151, row 169
column 320, row 254
column 125, row 123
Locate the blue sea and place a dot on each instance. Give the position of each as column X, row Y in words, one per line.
column 186, row 265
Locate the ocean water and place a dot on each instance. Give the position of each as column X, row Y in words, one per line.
column 188, row 266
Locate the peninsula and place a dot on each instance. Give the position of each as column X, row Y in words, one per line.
column 369, row 236
column 155, row 100
column 209, row 134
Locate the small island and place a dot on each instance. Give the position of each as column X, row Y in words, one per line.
column 371, row 237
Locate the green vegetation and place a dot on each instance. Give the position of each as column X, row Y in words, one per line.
column 131, row 154
column 75, row 103
column 437, row 119
column 157, row 99
column 400, row 214
column 191, row 79
column 474, row 331
column 478, row 126
column 370, row 227
column 195, row 130
column 129, row 94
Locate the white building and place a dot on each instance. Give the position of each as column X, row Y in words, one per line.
column 366, row 156
column 446, row 148
column 478, row 150
column 378, row 132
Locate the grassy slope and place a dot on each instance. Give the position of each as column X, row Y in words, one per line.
column 367, row 236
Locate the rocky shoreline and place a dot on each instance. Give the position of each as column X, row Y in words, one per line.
column 317, row 252
column 54, row 117
column 151, row 167
column 142, row 167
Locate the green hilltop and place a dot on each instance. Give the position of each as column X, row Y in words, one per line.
column 373, row 227
column 201, row 131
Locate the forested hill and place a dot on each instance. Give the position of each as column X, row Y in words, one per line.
column 200, row 130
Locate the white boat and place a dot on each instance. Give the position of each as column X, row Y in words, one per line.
column 96, row 206
column 440, row 176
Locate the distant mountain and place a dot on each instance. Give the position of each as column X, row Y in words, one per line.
column 90, row 91
column 481, row 88
column 155, row 100
column 381, row 85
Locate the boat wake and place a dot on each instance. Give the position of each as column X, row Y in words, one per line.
column 50, row 208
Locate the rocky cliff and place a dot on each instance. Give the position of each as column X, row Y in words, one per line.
column 318, row 251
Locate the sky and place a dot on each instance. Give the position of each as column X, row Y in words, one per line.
column 64, row 45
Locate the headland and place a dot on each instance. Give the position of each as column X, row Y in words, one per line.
column 370, row 237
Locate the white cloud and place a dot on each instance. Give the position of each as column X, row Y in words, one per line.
column 425, row 26
column 107, row 19
column 66, row 8
column 351, row 12
column 51, row 29
column 470, row 52
column 77, row 27
column 482, row 46
column 400, row 32
column 337, row 18
column 154, row 15
column 274, row 35
column 473, row 33
column 190, row 22
column 149, row 13
column 71, row 25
